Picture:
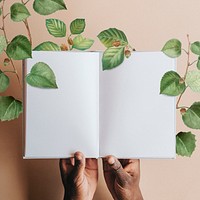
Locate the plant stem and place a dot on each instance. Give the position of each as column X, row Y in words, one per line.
column 7, row 71
column 188, row 58
column 28, row 29
column 187, row 67
column 26, row 2
column 5, row 35
column 193, row 62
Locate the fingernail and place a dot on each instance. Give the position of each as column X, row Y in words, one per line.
column 111, row 160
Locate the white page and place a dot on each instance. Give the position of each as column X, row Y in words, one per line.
column 135, row 120
column 62, row 121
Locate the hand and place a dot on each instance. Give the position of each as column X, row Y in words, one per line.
column 122, row 178
column 79, row 177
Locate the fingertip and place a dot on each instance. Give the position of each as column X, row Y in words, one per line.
column 78, row 156
column 110, row 160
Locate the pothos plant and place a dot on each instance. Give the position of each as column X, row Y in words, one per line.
column 117, row 49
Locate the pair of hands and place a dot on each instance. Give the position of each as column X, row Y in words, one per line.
column 80, row 176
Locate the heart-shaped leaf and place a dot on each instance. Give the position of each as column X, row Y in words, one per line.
column 81, row 43
column 19, row 48
column 191, row 117
column 47, row 7
column 172, row 48
column 56, row 27
column 2, row 43
column 77, row 26
column 193, row 80
column 4, row 81
column 195, row 48
column 112, row 35
column 47, row 46
column 171, row 85
column 10, row 108
column 113, row 57
column 19, row 12
column 185, row 143
column 41, row 76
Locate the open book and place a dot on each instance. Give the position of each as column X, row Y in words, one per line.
column 118, row 111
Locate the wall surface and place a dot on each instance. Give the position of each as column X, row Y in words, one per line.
column 148, row 25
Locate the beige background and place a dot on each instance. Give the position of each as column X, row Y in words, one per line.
column 147, row 24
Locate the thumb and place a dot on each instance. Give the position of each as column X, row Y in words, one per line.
column 116, row 167
column 79, row 165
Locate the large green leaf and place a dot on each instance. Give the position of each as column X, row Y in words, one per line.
column 111, row 35
column 185, row 143
column 10, row 108
column 2, row 43
column 47, row 7
column 4, row 81
column 47, row 46
column 191, row 117
column 41, row 76
column 77, row 26
column 19, row 48
column 172, row 48
column 193, row 80
column 171, row 85
column 81, row 43
column 56, row 27
column 19, row 12
column 113, row 57
column 195, row 48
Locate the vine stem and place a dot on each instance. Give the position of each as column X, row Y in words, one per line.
column 5, row 35
column 28, row 29
column 186, row 71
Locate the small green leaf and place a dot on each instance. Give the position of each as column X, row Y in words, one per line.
column 77, row 26
column 195, row 48
column 191, row 117
column 56, row 27
column 111, row 35
column 2, row 43
column 81, row 43
column 19, row 12
column 47, row 7
column 19, row 48
column 193, row 80
column 113, row 57
column 172, row 48
column 41, row 76
column 4, row 81
column 0, row 11
column 47, row 46
column 185, row 143
column 10, row 108
column 170, row 84
column 198, row 63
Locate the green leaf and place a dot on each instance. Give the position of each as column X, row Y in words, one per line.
column 56, row 27
column 111, row 35
column 41, row 76
column 170, row 84
column 10, row 108
column 47, row 7
column 77, row 26
column 19, row 12
column 81, row 43
column 193, row 80
column 195, row 48
column 4, row 81
column 198, row 63
column 0, row 11
column 191, row 117
column 2, row 43
column 185, row 143
column 19, row 48
column 172, row 48
column 113, row 57
column 47, row 46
